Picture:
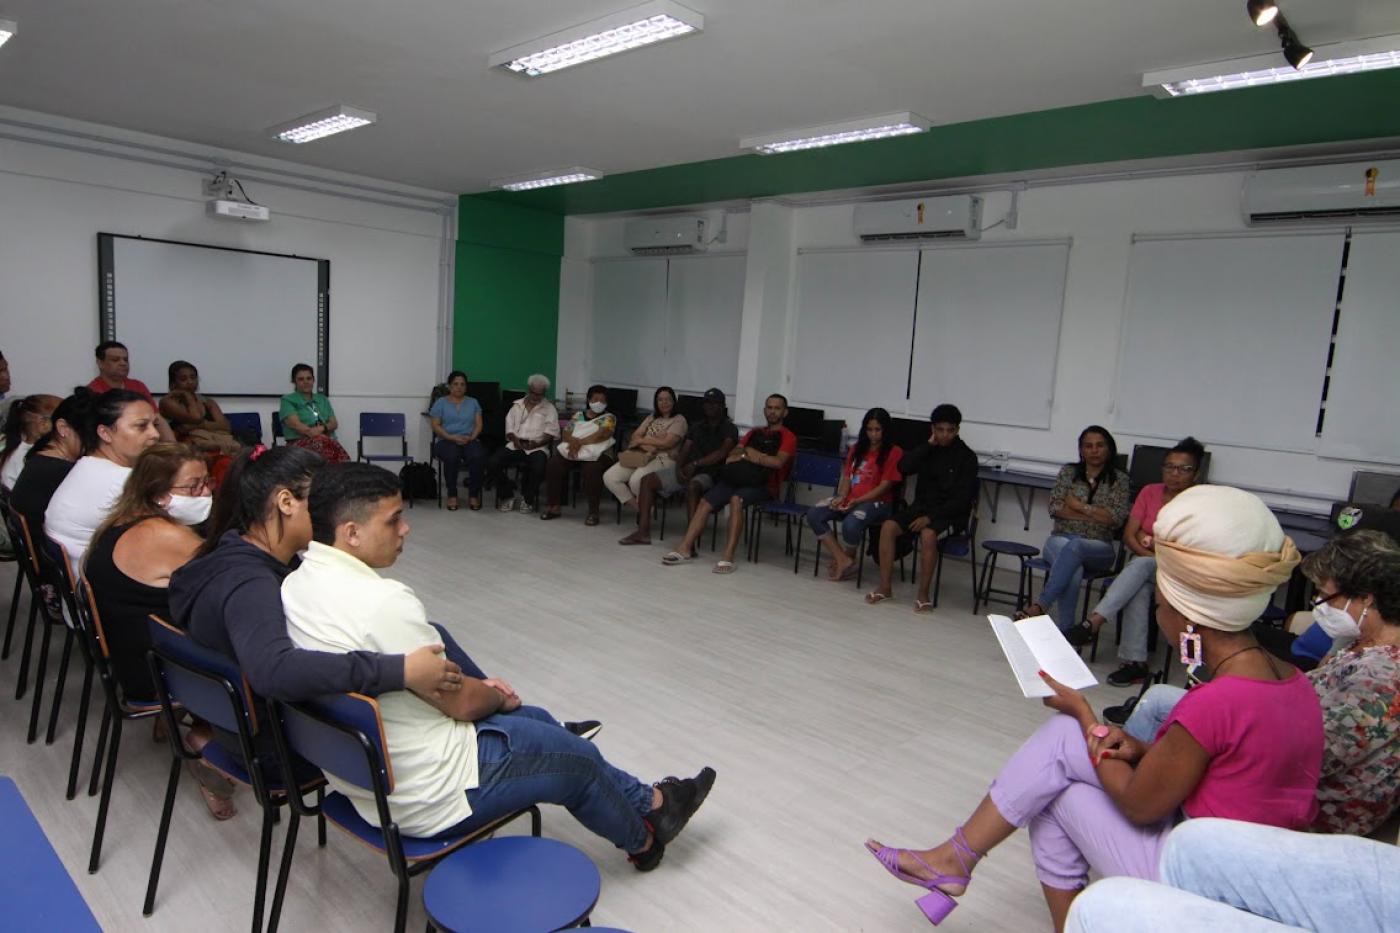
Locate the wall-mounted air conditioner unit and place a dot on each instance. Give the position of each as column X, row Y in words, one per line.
column 651, row 236
column 958, row 217
column 1357, row 191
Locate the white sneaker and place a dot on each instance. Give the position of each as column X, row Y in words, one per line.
column 524, row 506
column 505, row 505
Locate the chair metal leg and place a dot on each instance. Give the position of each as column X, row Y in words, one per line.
column 989, row 567
column 39, row 683
column 107, row 715
column 83, row 702
column 972, row 568
column 284, row 871
column 57, row 703
column 23, row 682
column 14, row 611
column 108, row 774
column 535, row 827
column 797, row 549
column 264, row 857
column 937, row 578
column 320, row 817
column 172, row 784
column 401, row 905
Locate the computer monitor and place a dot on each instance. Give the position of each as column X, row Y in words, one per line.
column 692, row 407
column 909, row 433
column 806, row 423
column 487, row 394
column 622, row 402
column 1373, row 486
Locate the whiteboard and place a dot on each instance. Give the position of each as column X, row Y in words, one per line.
column 242, row 318
column 979, row 304
column 1362, row 421
column 705, row 308
column 1226, row 338
column 855, row 316
column 629, row 322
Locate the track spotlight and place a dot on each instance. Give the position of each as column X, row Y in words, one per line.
column 1294, row 50
column 1261, row 12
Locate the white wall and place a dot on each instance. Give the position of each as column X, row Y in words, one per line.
column 385, row 261
column 1100, row 218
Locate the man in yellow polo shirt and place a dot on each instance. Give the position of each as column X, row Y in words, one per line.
column 467, row 758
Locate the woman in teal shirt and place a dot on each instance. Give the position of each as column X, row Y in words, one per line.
column 456, row 420
column 308, row 419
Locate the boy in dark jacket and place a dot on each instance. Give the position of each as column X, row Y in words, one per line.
column 947, row 487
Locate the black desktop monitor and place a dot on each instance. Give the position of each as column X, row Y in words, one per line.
column 487, row 394
column 622, row 402
column 908, row 433
column 692, row 407
column 509, row 397
column 806, row 423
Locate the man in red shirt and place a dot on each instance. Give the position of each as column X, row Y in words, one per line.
column 113, row 364
column 754, row 472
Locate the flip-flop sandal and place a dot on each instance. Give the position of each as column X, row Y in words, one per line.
column 874, row 598
column 921, row 606
column 848, row 574
column 723, row 566
column 676, row 557
column 216, row 790
column 591, row 520
column 474, row 505
column 631, row 540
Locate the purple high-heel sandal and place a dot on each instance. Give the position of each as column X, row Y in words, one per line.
column 937, row 904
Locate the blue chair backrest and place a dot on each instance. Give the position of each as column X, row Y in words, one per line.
column 246, row 422
column 204, row 682
column 381, row 424
column 342, row 735
column 816, row 470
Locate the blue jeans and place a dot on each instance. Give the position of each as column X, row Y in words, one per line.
column 853, row 523
column 453, row 455
column 1069, row 556
column 1151, row 711
column 1226, row 875
column 525, row 757
column 1131, row 594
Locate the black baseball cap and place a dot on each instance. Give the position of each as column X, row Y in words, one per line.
column 714, row 395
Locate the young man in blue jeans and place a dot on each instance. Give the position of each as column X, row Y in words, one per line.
column 465, row 759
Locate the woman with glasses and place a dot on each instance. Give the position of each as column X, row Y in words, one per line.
column 146, row 538
column 308, row 420
column 1131, row 590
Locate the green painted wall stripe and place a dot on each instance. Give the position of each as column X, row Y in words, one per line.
column 511, row 226
column 1327, row 110
column 506, row 314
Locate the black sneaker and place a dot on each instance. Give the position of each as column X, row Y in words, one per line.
column 646, row 861
column 1080, row 635
column 1133, row 672
column 680, row 798
column 1118, row 715
column 586, row 729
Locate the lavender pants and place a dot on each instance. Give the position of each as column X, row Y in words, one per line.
column 1051, row 787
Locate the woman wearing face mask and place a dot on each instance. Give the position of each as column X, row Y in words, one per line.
column 1247, row 745
column 588, row 441
column 123, row 424
column 456, row 422
column 145, row 539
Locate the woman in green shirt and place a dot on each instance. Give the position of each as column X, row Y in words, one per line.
column 308, row 419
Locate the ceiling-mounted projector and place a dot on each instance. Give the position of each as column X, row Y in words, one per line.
column 237, row 210
column 226, row 205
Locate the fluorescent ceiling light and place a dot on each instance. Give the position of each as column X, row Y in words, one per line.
column 834, row 134
column 8, row 28
column 632, row 28
column 1341, row 58
column 562, row 176
column 322, row 123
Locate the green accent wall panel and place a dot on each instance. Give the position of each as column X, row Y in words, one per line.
column 497, row 223
column 506, row 320
column 1329, row 110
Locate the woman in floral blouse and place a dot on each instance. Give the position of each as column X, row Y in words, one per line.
column 1089, row 504
column 1358, row 583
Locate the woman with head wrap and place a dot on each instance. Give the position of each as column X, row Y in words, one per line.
column 1245, row 746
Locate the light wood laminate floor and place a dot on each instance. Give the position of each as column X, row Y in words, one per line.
column 827, row 720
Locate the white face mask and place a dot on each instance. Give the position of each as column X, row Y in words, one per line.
column 189, row 510
column 597, row 407
column 1337, row 623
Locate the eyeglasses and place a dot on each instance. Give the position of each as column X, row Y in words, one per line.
column 1324, row 599
column 1178, row 468
column 194, row 487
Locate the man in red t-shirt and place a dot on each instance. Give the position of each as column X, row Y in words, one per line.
column 113, row 364
column 753, row 472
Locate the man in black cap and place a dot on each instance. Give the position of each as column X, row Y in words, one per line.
column 703, row 452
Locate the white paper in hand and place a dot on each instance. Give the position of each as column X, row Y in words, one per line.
column 1035, row 644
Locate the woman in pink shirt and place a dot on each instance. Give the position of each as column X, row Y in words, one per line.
column 1248, row 746
column 1131, row 590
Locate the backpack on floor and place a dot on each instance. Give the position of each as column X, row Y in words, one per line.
column 419, row 481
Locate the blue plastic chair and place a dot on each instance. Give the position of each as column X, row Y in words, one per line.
column 516, row 884
column 343, row 735
column 811, row 469
column 382, row 424
column 211, row 687
column 247, row 423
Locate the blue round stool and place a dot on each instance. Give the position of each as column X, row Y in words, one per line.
column 1022, row 552
column 511, row 884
